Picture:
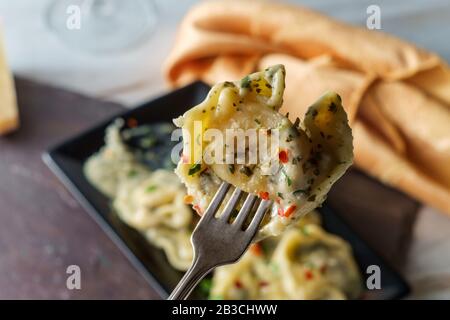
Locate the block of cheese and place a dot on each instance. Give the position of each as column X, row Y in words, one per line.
column 9, row 115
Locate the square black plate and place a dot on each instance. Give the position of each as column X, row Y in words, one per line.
column 66, row 161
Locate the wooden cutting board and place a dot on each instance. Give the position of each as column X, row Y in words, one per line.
column 44, row 230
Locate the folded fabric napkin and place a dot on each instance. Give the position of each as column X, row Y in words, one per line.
column 397, row 95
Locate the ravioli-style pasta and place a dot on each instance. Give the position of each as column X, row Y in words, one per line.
column 306, row 263
column 154, row 205
column 311, row 155
column 151, row 202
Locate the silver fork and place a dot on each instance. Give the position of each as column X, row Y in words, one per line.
column 216, row 241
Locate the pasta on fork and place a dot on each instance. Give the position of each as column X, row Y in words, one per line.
column 296, row 169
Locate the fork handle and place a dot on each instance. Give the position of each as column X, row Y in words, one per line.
column 191, row 278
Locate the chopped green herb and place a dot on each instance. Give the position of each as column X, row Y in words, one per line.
column 274, row 266
column 296, row 159
column 304, row 230
column 194, row 169
column 205, row 286
column 289, row 138
column 300, row 191
column 332, row 107
column 151, row 188
column 266, row 248
column 312, row 198
column 246, row 170
column 257, row 121
column 279, row 194
column 132, row 173
column 245, row 82
column 147, row 142
column 231, row 168
column 288, row 179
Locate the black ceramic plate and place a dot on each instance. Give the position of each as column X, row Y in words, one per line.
column 66, row 161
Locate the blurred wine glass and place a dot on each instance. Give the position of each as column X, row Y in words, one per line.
column 102, row 25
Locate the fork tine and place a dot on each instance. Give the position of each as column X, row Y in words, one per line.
column 210, row 236
column 259, row 216
column 245, row 210
column 217, row 200
column 231, row 204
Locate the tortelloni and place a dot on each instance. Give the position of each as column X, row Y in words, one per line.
column 155, row 206
column 306, row 263
column 151, row 202
column 296, row 163
column 156, row 200
column 317, row 265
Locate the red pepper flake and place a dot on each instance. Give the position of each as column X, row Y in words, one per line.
column 280, row 212
column 132, row 123
column 256, row 249
column 263, row 284
column 264, row 195
column 197, row 208
column 309, row 275
column 283, row 156
column 288, row 211
column 238, row 284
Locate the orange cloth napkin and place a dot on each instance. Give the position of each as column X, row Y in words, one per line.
column 397, row 95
